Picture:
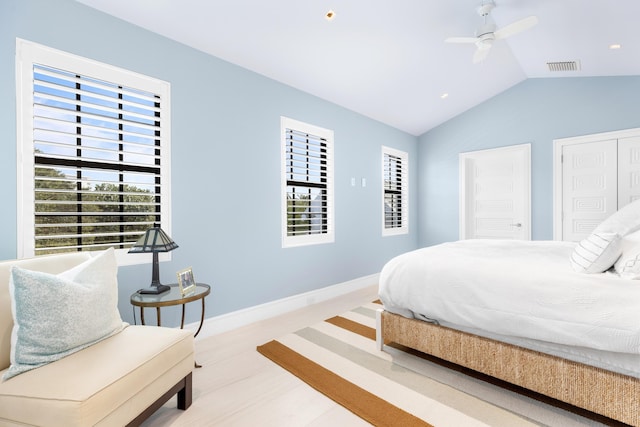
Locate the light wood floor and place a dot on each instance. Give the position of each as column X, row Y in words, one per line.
column 237, row 386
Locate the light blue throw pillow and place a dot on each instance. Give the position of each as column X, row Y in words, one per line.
column 57, row 315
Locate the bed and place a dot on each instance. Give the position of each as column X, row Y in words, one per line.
column 558, row 318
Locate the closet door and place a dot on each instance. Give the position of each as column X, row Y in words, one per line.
column 589, row 186
column 628, row 170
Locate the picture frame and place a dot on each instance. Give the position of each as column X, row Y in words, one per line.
column 186, row 282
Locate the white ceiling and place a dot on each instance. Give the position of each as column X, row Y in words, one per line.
column 387, row 59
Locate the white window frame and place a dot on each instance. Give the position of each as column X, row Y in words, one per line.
column 318, row 238
column 404, row 192
column 28, row 54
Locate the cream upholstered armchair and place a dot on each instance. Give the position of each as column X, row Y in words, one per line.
column 66, row 357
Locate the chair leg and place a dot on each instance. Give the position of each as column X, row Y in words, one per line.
column 185, row 394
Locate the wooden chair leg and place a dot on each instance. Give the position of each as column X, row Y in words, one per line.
column 185, row 394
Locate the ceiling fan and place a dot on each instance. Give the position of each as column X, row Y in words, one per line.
column 487, row 33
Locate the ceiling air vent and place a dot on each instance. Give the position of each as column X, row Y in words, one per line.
column 564, row 66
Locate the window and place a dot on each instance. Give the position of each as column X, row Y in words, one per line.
column 395, row 194
column 93, row 144
column 307, row 184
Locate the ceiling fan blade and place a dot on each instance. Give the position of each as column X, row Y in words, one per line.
column 461, row 40
column 516, row 27
column 480, row 54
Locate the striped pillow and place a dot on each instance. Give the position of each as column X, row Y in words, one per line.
column 599, row 251
column 596, row 253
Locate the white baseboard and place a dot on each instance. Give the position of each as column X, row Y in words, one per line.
column 226, row 322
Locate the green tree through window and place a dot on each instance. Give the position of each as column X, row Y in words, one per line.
column 92, row 217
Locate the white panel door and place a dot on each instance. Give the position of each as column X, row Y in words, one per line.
column 495, row 195
column 589, row 186
column 628, row 170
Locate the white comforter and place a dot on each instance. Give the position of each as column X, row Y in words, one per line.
column 517, row 288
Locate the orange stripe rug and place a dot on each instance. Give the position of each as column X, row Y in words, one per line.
column 399, row 387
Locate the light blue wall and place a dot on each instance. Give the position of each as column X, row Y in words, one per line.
column 536, row 111
column 225, row 163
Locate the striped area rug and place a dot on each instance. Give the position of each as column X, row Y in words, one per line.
column 399, row 387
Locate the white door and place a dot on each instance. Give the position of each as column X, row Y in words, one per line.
column 495, row 193
column 589, row 187
column 628, row 170
column 593, row 176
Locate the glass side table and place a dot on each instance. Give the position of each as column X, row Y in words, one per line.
column 173, row 297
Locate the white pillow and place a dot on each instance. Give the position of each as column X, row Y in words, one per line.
column 628, row 265
column 596, row 253
column 57, row 315
column 599, row 251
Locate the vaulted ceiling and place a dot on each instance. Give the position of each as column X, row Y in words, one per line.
column 387, row 59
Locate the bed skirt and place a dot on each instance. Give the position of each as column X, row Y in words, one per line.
column 597, row 390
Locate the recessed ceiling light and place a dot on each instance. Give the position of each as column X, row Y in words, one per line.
column 615, row 46
column 444, row 96
column 330, row 15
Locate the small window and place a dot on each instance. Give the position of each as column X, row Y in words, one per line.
column 395, row 192
column 94, row 145
column 307, row 184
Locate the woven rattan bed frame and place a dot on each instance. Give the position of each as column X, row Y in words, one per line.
column 597, row 390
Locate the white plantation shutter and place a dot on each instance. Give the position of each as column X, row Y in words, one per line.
column 395, row 185
column 307, row 153
column 98, row 155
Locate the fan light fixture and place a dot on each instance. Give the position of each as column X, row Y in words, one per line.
column 487, row 33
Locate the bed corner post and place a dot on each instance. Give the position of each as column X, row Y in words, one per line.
column 379, row 340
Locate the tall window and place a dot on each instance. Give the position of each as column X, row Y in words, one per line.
column 307, row 184
column 395, row 189
column 94, row 145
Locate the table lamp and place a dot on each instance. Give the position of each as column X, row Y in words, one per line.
column 154, row 240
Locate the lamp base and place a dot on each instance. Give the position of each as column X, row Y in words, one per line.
column 155, row 290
